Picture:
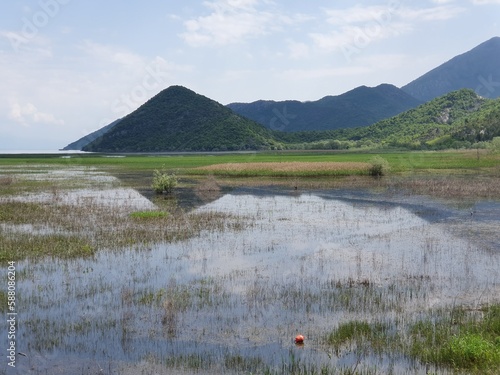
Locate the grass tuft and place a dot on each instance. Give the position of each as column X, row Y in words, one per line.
column 148, row 214
column 459, row 340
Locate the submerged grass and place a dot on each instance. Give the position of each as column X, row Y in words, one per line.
column 460, row 340
column 450, row 338
column 24, row 245
column 34, row 230
column 355, row 332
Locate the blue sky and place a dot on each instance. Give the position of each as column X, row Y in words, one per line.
column 69, row 67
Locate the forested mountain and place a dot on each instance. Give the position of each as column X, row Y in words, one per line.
column 477, row 69
column 178, row 119
column 361, row 106
column 459, row 119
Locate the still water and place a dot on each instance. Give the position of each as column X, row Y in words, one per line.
column 233, row 301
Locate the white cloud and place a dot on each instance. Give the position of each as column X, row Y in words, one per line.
column 356, row 27
column 37, row 45
column 356, row 37
column 438, row 13
column 27, row 114
column 357, row 14
column 234, row 21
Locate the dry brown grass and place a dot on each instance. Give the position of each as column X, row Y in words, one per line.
column 287, row 168
column 6, row 180
column 466, row 187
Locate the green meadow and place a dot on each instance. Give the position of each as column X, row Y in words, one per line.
column 400, row 161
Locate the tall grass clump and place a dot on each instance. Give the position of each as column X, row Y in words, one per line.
column 459, row 341
column 471, row 351
column 378, row 166
column 164, row 182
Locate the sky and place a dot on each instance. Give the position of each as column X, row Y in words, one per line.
column 69, row 67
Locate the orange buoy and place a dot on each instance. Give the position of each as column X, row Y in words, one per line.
column 299, row 339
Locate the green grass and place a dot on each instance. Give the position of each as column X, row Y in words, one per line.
column 360, row 335
column 399, row 161
column 459, row 340
column 452, row 338
column 37, row 246
column 471, row 350
column 151, row 215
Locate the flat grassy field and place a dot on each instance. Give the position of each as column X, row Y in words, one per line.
column 399, row 161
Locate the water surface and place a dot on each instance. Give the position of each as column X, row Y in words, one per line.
column 303, row 263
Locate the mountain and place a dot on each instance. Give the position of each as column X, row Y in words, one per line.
column 478, row 69
column 84, row 141
column 361, row 106
column 178, row 119
column 456, row 119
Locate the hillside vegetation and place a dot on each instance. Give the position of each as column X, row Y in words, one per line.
column 177, row 119
column 460, row 119
column 361, row 106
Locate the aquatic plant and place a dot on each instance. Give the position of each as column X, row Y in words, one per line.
column 163, row 181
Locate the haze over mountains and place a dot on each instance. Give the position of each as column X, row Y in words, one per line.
column 177, row 119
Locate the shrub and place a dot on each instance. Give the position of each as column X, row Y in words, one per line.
column 494, row 145
column 164, row 182
column 379, row 166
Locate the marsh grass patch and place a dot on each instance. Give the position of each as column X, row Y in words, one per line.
column 148, row 215
column 459, row 339
column 65, row 230
column 284, row 169
column 24, row 245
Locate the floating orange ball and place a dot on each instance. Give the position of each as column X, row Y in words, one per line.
column 299, row 339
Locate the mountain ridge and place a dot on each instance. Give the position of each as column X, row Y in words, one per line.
column 477, row 69
column 360, row 106
column 178, row 119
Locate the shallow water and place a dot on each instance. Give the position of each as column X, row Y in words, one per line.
column 305, row 263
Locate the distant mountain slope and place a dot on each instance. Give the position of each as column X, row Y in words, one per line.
column 477, row 69
column 178, row 119
column 84, row 141
column 460, row 116
column 359, row 107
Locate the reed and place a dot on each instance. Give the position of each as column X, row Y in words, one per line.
column 285, row 169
